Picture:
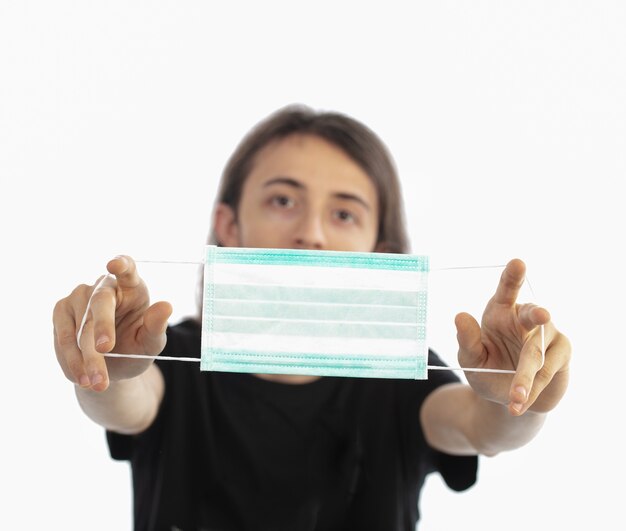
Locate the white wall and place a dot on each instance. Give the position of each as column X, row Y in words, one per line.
column 508, row 125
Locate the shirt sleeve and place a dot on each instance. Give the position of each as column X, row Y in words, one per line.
column 458, row 472
column 122, row 447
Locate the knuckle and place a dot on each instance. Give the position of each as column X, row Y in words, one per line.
column 536, row 354
column 66, row 338
column 75, row 368
column 59, row 307
column 543, row 377
column 564, row 343
column 81, row 292
column 79, row 295
column 102, row 296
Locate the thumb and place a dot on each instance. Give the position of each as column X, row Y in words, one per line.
column 471, row 349
column 152, row 333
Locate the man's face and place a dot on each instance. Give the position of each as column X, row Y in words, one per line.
column 305, row 193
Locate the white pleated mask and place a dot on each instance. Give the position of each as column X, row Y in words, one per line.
column 306, row 312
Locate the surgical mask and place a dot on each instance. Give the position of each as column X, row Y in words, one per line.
column 309, row 312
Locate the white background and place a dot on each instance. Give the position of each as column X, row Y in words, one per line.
column 507, row 122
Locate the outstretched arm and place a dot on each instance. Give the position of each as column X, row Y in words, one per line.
column 119, row 394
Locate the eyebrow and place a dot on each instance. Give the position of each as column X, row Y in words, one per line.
column 284, row 180
column 289, row 181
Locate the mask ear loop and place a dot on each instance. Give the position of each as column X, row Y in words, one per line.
column 79, row 334
column 429, row 367
column 498, row 371
column 542, row 327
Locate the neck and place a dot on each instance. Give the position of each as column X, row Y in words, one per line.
column 293, row 379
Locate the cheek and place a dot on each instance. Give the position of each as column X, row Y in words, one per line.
column 359, row 239
column 258, row 229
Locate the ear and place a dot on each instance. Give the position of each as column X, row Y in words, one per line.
column 225, row 226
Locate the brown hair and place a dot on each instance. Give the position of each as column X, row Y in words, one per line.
column 358, row 141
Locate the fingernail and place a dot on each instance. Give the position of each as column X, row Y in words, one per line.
column 101, row 340
column 517, row 407
column 522, row 392
column 83, row 381
column 96, row 379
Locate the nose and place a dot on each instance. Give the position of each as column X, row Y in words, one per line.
column 310, row 233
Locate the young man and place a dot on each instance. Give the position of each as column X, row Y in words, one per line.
column 240, row 451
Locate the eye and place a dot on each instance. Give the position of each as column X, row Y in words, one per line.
column 344, row 216
column 282, row 201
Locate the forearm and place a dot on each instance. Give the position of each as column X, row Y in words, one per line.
column 493, row 429
column 127, row 406
column 456, row 420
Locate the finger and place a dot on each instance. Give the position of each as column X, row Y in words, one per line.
column 531, row 361
column 510, row 283
column 468, row 336
column 555, row 367
column 94, row 363
column 530, row 316
column 102, row 306
column 125, row 270
column 68, row 354
column 152, row 334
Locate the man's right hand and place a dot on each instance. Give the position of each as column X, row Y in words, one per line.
column 115, row 315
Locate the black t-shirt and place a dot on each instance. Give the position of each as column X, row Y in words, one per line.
column 236, row 452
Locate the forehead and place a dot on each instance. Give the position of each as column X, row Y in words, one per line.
column 310, row 158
